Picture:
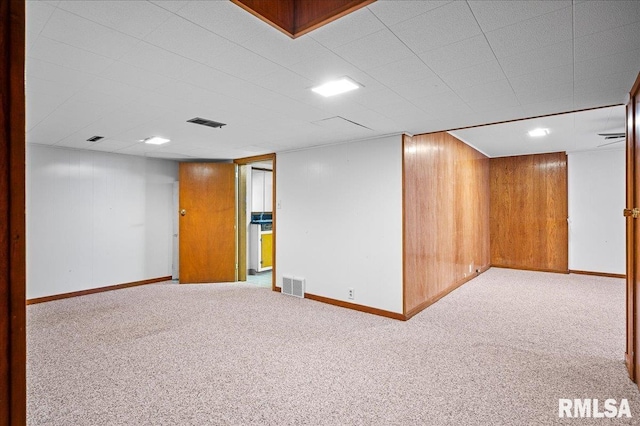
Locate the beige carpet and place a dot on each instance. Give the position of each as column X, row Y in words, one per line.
column 500, row 350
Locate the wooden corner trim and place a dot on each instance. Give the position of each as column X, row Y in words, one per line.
column 96, row 290
column 628, row 362
column 443, row 293
column 344, row 10
column 356, row 307
column 598, row 274
column 260, row 16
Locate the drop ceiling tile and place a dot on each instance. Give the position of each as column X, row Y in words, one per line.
column 492, row 15
column 151, row 58
column 596, row 16
column 402, row 72
column 421, row 88
column 71, row 29
column 551, row 56
column 375, row 98
column 326, row 66
column 126, row 92
column 601, row 97
column 57, row 74
column 37, row 14
column 133, row 76
column 462, row 54
column 394, row 12
column 225, row 19
column 439, row 27
column 399, row 109
column 243, row 64
column 186, row 39
column 626, row 62
column 484, row 93
column 134, row 18
column 604, row 43
column 68, row 56
column 538, row 92
column 445, row 105
column 349, row 28
column 279, row 48
column 474, row 75
column 170, row 5
column 374, row 50
column 535, row 33
column 286, row 82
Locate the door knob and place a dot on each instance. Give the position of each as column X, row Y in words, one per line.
column 183, row 212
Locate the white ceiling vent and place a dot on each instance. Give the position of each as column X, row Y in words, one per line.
column 205, row 122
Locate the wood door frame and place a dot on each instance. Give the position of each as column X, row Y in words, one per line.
column 12, row 211
column 632, row 232
column 242, row 252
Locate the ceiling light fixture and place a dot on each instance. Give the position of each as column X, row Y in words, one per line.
column 155, row 140
column 336, row 87
column 539, row 132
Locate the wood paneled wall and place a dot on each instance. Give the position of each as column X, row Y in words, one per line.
column 446, row 217
column 529, row 212
column 12, row 215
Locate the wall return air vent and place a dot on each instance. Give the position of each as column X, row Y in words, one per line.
column 205, row 122
column 293, row 286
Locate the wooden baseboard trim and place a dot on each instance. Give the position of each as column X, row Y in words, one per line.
column 524, row 268
column 96, row 290
column 442, row 294
column 355, row 306
column 597, row 274
column 628, row 362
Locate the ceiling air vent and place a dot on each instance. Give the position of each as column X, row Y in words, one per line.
column 205, row 122
column 95, row 138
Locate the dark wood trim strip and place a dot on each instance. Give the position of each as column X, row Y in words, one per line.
column 255, row 159
column 356, row 307
column 96, row 290
column 635, row 89
column 12, row 215
column 442, row 294
column 522, row 119
column 597, row 274
column 555, row 271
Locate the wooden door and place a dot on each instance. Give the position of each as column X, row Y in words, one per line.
column 633, row 231
column 207, row 222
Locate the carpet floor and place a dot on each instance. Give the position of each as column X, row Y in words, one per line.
column 500, row 350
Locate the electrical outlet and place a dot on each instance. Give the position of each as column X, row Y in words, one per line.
column 350, row 294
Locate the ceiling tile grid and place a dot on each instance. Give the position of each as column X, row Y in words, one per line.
column 423, row 66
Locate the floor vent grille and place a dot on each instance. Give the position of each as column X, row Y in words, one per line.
column 293, row 286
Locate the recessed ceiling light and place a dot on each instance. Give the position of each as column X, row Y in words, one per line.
column 155, row 140
column 336, row 87
column 539, row 132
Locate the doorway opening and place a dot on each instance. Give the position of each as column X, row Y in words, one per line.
column 256, row 220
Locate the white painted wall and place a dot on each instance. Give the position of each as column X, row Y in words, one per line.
column 96, row 219
column 596, row 185
column 339, row 220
